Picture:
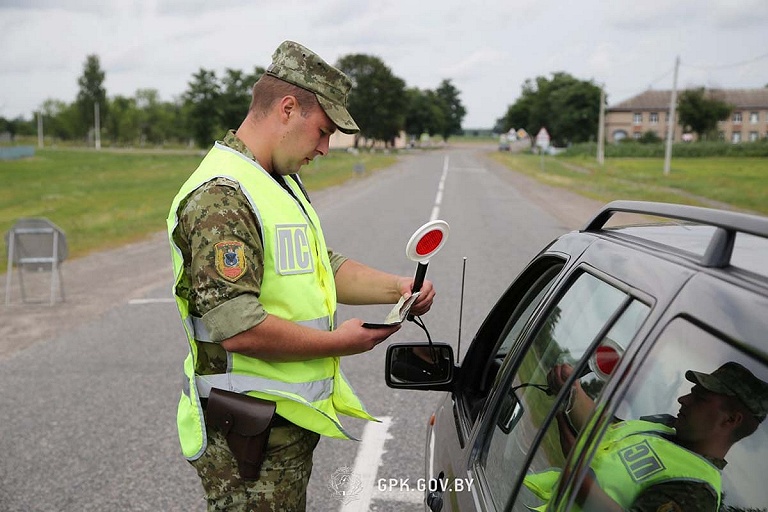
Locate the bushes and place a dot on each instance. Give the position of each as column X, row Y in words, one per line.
column 633, row 149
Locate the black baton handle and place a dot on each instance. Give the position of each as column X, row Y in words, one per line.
column 418, row 280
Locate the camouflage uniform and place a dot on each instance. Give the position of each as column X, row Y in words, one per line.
column 283, row 479
column 218, row 212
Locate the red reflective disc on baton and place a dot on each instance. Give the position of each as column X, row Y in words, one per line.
column 429, row 242
column 606, row 359
column 426, row 241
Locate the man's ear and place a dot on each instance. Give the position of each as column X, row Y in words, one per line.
column 288, row 106
column 734, row 419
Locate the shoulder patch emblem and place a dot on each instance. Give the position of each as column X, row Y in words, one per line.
column 230, row 260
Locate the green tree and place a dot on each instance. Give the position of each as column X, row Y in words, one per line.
column 453, row 109
column 424, row 113
column 700, row 112
column 122, row 122
column 61, row 120
column 201, row 99
column 8, row 126
column 568, row 107
column 577, row 107
column 91, row 84
column 174, row 121
column 377, row 100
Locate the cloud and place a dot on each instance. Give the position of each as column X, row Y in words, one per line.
column 652, row 15
column 91, row 6
column 737, row 15
column 487, row 48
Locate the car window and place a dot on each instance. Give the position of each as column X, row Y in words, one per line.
column 501, row 330
column 525, row 308
column 582, row 315
column 678, row 447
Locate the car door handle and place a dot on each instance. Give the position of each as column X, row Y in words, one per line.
column 435, row 501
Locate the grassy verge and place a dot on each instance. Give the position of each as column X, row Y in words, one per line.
column 105, row 199
column 739, row 182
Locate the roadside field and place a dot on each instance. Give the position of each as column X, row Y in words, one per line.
column 103, row 199
column 741, row 183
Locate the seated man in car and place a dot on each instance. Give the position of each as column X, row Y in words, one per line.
column 661, row 463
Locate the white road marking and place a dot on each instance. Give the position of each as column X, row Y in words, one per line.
column 440, row 188
column 410, row 496
column 367, row 462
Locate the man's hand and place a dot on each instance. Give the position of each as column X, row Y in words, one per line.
column 579, row 405
column 276, row 339
column 426, row 295
column 558, row 375
column 357, row 339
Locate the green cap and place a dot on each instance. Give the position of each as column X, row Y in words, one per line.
column 732, row 379
column 302, row 67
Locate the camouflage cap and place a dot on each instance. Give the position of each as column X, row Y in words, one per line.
column 302, row 67
column 732, row 379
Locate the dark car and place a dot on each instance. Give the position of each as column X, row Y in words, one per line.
column 624, row 314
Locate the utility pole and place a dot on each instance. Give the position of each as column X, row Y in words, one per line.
column 601, row 130
column 672, row 120
column 39, row 129
column 97, row 128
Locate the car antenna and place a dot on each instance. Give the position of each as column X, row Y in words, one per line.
column 461, row 308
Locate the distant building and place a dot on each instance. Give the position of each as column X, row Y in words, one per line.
column 649, row 112
column 340, row 140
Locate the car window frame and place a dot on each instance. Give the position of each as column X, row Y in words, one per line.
column 511, row 364
column 496, row 324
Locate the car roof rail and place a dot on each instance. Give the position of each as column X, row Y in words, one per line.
column 728, row 224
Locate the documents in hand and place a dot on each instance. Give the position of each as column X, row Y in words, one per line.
column 398, row 313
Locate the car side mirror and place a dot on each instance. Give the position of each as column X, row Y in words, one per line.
column 419, row 366
column 510, row 411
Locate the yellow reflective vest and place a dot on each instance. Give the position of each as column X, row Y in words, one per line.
column 298, row 285
column 632, row 457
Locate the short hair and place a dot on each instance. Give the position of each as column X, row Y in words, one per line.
column 270, row 89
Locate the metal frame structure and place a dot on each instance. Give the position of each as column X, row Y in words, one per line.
column 35, row 243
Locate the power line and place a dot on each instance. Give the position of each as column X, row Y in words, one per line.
column 733, row 65
column 661, row 77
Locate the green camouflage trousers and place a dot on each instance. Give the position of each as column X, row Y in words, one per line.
column 282, row 484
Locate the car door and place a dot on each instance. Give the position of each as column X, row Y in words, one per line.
column 457, row 415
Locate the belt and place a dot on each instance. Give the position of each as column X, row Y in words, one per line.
column 277, row 420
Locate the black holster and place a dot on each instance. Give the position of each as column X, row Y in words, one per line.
column 245, row 422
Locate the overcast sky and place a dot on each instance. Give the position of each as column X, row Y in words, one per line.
column 487, row 49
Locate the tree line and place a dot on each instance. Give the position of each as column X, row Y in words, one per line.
column 379, row 101
column 569, row 109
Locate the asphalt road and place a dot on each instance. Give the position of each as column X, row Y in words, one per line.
column 88, row 409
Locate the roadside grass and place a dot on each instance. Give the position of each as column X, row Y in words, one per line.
column 740, row 182
column 103, row 199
